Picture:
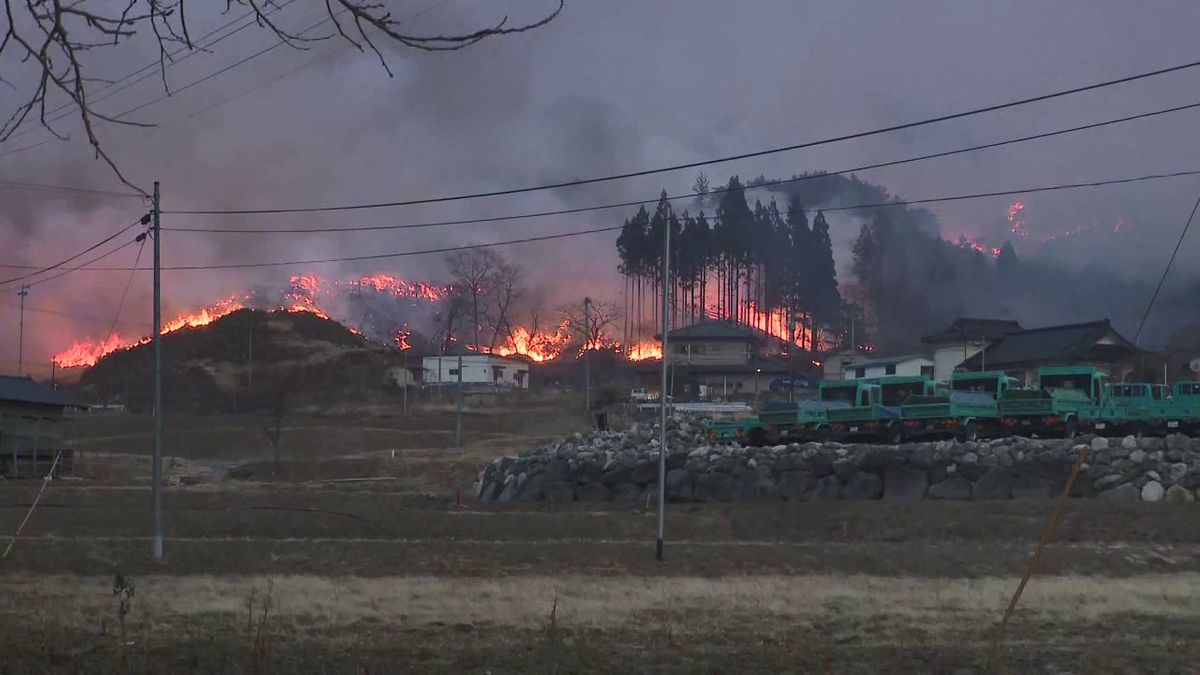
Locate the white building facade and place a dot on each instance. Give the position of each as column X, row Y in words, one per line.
column 911, row 365
column 477, row 369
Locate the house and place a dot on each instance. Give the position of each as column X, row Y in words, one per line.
column 965, row 338
column 713, row 359
column 1021, row 353
column 31, row 428
column 882, row 366
column 477, row 369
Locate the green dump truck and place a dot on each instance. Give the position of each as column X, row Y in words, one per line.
column 1141, row 408
column 967, row 409
column 879, row 418
column 809, row 420
column 1065, row 398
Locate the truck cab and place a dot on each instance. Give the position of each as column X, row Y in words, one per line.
column 871, row 416
column 1139, row 408
column 967, row 407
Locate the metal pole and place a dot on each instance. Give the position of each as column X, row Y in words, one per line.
column 791, row 348
column 250, row 355
column 459, row 407
column 587, row 355
column 662, row 431
column 21, row 333
column 156, row 471
column 407, row 375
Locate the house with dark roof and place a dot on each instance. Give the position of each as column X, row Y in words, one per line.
column 883, row 366
column 31, row 428
column 718, row 360
column 1021, row 353
column 963, row 339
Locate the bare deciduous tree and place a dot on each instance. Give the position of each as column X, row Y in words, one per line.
column 506, row 291
column 590, row 325
column 474, row 272
column 53, row 38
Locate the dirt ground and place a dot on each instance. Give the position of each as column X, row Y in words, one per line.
column 364, row 552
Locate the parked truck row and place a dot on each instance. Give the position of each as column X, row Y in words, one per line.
column 1066, row 401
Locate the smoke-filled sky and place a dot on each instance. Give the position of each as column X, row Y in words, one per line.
column 607, row 87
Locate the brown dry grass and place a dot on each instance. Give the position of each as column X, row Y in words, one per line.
column 608, row 603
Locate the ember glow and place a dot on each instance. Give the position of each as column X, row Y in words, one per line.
column 1017, row 224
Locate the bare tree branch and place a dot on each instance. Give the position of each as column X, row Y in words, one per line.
column 51, row 37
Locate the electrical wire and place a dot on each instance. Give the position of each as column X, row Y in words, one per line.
column 73, row 315
column 108, row 91
column 771, row 183
column 84, row 252
column 81, row 266
column 692, row 165
column 13, row 185
column 564, row 235
column 1163, row 278
column 112, row 328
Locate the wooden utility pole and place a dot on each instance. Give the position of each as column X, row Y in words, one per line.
column 587, row 356
column 662, row 431
column 21, row 332
column 156, row 470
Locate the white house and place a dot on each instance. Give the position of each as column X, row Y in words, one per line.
column 964, row 339
column 908, row 364
column 477, row 369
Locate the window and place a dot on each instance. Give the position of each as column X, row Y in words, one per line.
column 860, row 372
column 681, row 349
column 926, row 371
column 453, row 372
column 890, row 369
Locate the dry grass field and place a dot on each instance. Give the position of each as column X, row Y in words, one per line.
column 356, row 556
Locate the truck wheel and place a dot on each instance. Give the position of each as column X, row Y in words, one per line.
column 823, row 435
column 970, row 432
column 1137, row 429
column 1070, row 429
column 895, row 435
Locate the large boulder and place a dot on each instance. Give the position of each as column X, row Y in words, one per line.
column 1152, row 491
column 956, row 488
column 863, row 485
column 995, row 484
column 904, row 483
column 1177, row 494
column 679, row 486
column 1122, row 493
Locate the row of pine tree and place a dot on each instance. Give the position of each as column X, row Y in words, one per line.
column 740, row 265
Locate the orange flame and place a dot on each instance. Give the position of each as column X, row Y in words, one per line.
column 401, row 339
column 646, row 349
column 540, row 346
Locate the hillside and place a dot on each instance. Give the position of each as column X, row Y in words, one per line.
column 248, row 360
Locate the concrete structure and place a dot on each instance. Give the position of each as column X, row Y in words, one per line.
column 1095, row 343
column 31, row 428
column 882, row 366
column 478, row 369
column 965, row 338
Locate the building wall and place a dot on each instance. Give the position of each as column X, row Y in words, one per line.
column 477, row 369
column 28, row 433
column 947, row 357
column 909, row 367
column 710, row 352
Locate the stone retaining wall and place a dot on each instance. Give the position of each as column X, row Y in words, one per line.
column 623, row 467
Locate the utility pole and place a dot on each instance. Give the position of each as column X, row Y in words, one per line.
column 791, row 384
column 459, row 406
column 21, row 333
column 587, row 356
column 662, row 431
column 250, row 355
column 156, row 471
column 407, row 375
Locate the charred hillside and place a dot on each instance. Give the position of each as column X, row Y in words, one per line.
column 249, row 360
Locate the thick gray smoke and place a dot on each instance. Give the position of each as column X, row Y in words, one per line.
column 605, row 88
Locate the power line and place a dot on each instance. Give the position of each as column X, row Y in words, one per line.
column 602, row 207
column 1166, row 269
column 85, row 251
column 692, row 165
column 72, row 315
column 108, row 91
column 84, row 265
column 112, row 328
column 13, row 185
column 564, row 235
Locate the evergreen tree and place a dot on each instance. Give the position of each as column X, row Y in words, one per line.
column 826, row 301
column 731, row 234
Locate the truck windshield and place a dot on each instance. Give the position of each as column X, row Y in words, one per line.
column 983, row 386
column 1081, row 382
column 839, row 394
column 895, row 394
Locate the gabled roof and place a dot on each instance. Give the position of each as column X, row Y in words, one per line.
column 966, row 328
column 887, row 360
column 25, row 390
column 711, row 329
column 1054, row 344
